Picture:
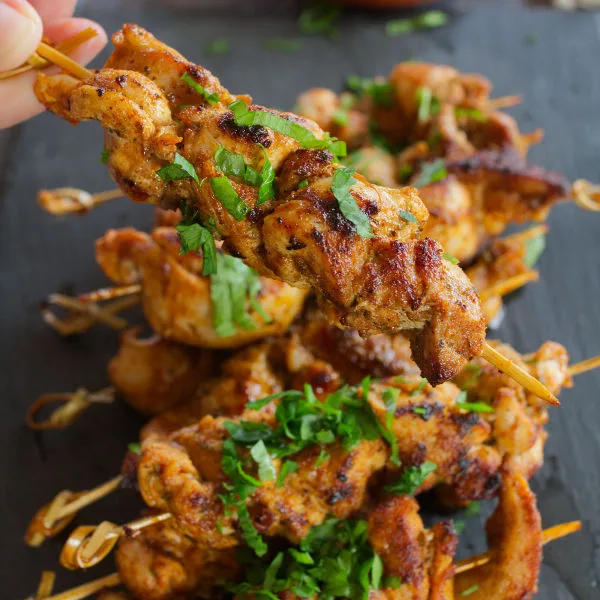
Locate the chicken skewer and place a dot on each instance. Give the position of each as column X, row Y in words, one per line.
column 445, row 331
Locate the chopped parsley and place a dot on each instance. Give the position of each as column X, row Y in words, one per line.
column 228, row 197
column 205, row 94
column 134, row 447
column 280, row 45
column 104, row 156
column 430, row 173
column 180, row 168
column 422, row 385
column 477, row 373
column 426, row 20
column 428, row 104
column 334, row 561
column 473, row 509
column 319, row 18
column 287, row 468
column 342, row 181
column 266, row 190
column 419, row 410
column 234, row 289
column 246, row 118
column 459, row 526
column 471, row 113
column 534, row 248
column 412, row 479
column 340, row 117
column 478, row 407
column 195, row 237
column 450, row 258
column 260, row 454
column 218, row 46
column 303, row 184
column 380, row 90
column 407, row 216
column 470, row 590
column 404, row 173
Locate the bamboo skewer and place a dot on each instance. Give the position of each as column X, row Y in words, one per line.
column 85, row 312
column 87, row 589
column 68, row 200
column 88, row 545
column 72, row 406
column 548, row 535
column 586, row 195
column 45, row 586
column 35, row 61
column 63, row 61
column 584, row 366
column 506, row 286
column 52, row 518
column 527, row 234
column 528, row 381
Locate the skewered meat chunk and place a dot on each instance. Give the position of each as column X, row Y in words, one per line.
column 155, row 375
column 177, row 298
column 391, row 282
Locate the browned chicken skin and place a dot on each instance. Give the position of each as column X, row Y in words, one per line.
column 391, row 282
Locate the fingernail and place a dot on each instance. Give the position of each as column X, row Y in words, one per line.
column 20, row 33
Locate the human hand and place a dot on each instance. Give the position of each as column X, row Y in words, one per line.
column 22, row 25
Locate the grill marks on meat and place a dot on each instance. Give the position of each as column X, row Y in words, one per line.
column 386, row 284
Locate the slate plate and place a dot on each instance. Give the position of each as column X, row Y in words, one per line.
column 558, row 79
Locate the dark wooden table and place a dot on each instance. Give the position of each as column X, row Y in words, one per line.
column 559, row 79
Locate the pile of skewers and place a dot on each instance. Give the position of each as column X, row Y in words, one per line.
column 324, row 361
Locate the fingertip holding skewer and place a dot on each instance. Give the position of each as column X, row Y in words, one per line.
column 52, row 518
column 36, row 61
column 68, row 200
column 548, row 535
column 88, row 545
column 528, row 381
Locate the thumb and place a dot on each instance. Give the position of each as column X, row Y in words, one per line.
column 20, row 33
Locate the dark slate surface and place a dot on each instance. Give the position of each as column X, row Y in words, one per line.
column 559, row 81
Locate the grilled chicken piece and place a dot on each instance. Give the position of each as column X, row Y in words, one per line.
column 154, row 375
column 514, row 535
column 391, row 282
column 177, row 298
column 161, row 563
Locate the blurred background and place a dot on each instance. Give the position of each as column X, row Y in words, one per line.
column 266, row 48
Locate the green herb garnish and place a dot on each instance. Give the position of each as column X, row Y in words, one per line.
column 419, row 410
column 234, row 165
column 206, row 95
column 422, row 385
column 320, row 18
column 471, row 113
column 473, row 509
column 534, row 248
column 450, row 258
column 134, row 447
column 426, row 20
column 234, row 289
column 288, row 467
column 340, row 117
column 342, row 181
column 381, row 91
column 407, row 216
column 218, row 46
column 428, row 104
column 470, row 590
column 246, row 118
column 430, row 173
column 412, row 479
column 280, row 45
column 228, row 197
column 180, row 168
column 104, row 156
column 303, row 184
column 478, row 407
column 195, row 237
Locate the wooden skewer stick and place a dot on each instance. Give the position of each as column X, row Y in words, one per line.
column 506, row 286
column 527, row 234
column 586, row 195
column 548, row 535
column 68, row 200
column 63, row 61
column 52, row 518
column 87, row 589
column 528, row 381
column 72, row 405
column 88, row 545
column 86, row 313
column 504, row 102
column 35, row 61
column 45, row 586
column 584, row 366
